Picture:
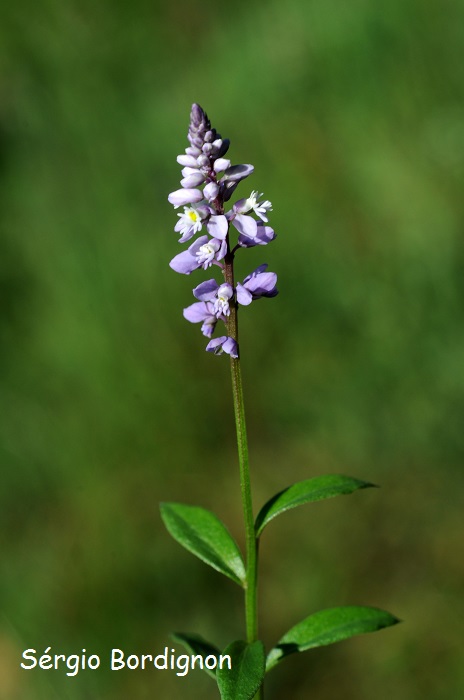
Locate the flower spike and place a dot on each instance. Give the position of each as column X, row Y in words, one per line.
column 208, row 182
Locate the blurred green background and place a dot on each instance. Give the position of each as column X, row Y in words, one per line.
column 352, row 114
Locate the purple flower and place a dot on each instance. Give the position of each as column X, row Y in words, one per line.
column 210, row 251
column 258, row 284
column 193, row 218
column 202, row 312
column 223, row 344
column 251, row 204
column 221, row 294
column 202, row 253
column 190, row 222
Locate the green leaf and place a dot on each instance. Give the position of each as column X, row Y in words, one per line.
column 203, row 534
column 329, row 626
column 246, row 675
column 308, row 491
column 198, row 646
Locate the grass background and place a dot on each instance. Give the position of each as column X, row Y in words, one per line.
column 352, row 116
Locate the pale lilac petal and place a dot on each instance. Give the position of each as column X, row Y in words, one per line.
column 187, row 160
column 217, row 227
column 187, row 235
column 197, row 312
column 185, row 196
column 230, row 347
column 203, row 161
column 193, row 151
column 221, row 164
column 245, row 225
column 210, row 191
column 185, row 263
column 244, row 297
column 206, row 291
column 263, row 284
column 193, row 180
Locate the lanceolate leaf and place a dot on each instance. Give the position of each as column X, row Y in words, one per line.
column 308, row 491
column 246, row 675
column 198, row 646
column 329, row 626
column 203, row 534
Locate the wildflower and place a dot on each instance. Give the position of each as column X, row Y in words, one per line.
column 202, row 312
column 258, row 284
column 223, row 344
column 190, row 223
column 202, row 253
column 251, row 203
column 221, row 294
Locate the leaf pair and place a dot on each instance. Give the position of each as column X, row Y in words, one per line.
column 248, row 662
column 203, row 534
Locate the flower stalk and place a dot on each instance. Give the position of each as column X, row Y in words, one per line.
column 251, row 612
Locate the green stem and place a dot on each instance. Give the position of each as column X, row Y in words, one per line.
column 251, row 609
